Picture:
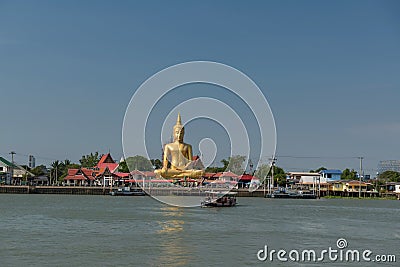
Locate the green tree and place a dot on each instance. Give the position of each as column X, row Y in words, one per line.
column 279, row 176
column 264, row 170
column 67, row 162
column 123, row 167
column 91, row 160
column 39, row 170
column 64, row 166
column 56, row 170
column 233, row 164
column 139, row 163
column 389, row 176
column 225, row 162
column 157, row 163
column 348, row 174
column 236, row 164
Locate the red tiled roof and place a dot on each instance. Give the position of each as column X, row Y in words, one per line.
column 83, row 175
column 104, row 157
column 188, row 180
column 72, row 171
column 246, row 177
column 209, row 174
column 136, row 172
column 122, row 174
column 354, row 182
column 223, row 182
column 161, row 181
column 87, row 172
column 149, row 174
column 112, row 166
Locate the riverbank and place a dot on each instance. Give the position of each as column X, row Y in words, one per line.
column 85, row 190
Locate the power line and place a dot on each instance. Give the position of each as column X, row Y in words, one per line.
column 316, row 157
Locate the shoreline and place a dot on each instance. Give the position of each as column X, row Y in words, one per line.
column 86, row 190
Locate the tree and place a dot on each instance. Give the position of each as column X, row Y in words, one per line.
column 348, row 175
column 225, row 162
column 91, row 160
column 236, row 164
column 64, row 166
column 157, row 163
column 67, row 162
column 389, row 176
column 56, row 170
column 319, row 169
column 39, row 170
column 218, row 169
column 265, row 170
column 139, row 163
column 233, row 164
column 279, row 176
column 123, row 167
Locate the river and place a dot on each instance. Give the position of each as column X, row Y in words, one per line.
column 74, row 230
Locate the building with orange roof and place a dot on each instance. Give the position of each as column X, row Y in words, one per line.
column 106, row 161
column 80, row 177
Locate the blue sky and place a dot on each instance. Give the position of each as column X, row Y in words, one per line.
column 329, row 69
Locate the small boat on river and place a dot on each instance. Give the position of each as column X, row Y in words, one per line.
column 292, row 194
column 219, row 199
column 126, row 191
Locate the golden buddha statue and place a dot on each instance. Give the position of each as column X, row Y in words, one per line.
column 179, row 155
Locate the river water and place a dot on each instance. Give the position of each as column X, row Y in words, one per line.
column 72, row 230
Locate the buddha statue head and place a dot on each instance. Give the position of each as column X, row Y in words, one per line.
column 178, row 130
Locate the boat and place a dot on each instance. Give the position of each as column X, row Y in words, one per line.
column 126, row 191
column 292, row 194
column 219, row 199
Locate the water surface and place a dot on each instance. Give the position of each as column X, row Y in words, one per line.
column 72, row 230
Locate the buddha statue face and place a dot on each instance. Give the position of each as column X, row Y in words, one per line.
column 178, row 134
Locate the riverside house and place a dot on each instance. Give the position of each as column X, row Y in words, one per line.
column 5, row 171
column 8, row 169
column 103, row 174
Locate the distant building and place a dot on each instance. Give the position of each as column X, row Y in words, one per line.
column 330, row 175
column 389, row 165
column 106, row 161
column 311, row 179
column 31, row 163
column 103, row 174
column 302, row 177
column 5, row 170
column 81, row 177
column 12, row 173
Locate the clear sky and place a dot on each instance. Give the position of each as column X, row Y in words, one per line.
column 329, row 69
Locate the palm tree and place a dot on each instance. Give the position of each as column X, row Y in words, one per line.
column 56, row 167
column 67, row 162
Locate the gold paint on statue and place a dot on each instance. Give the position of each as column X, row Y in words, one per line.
column 179, row 155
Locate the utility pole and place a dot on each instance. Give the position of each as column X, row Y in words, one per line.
column 12, row 165
column 273, row 160
column 359, row 176
column 251, row 167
